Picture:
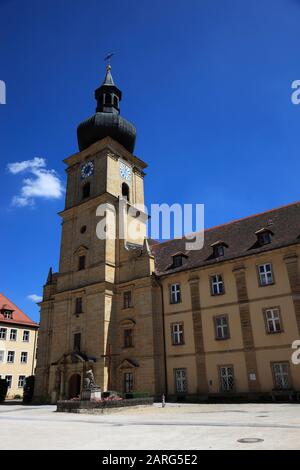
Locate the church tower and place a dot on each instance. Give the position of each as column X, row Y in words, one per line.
column 102, row 309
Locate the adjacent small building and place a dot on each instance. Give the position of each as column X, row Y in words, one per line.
column 18, row 339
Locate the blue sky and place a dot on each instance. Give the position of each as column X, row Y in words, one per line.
column 206, row 82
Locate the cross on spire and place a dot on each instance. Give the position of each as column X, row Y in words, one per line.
column 107, row 58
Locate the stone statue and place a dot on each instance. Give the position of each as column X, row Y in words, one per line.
column 89, row 381
column 90, row 391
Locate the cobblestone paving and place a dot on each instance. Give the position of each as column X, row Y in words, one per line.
column 184, row 426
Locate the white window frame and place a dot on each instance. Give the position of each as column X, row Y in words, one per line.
column 222, row 326
column 8, row 315
column 265, row 272
column 217, row 282
column 28, row 336
column 177, row 333
column 180, row 380
column 175, row 293
column 24, row 354
column 273, row 320
column 11, row 355
column 3, row 333
column 226, row 378
column 281, row 375
column 23, row 377
column 13, row 334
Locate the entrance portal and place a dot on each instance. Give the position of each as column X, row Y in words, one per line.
column 74, row 386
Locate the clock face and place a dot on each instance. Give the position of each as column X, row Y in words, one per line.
column 125, row 172
column 87, row 170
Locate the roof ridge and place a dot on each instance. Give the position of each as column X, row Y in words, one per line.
column 231, row 222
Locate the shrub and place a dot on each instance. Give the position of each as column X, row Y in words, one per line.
column 17, row 396
column 3, row 389
column 28, row 389
column 136, row 395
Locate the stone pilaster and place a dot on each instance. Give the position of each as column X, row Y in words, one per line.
column 246, row 326
column 292, row 266
column 202, row 385
column 158, row 341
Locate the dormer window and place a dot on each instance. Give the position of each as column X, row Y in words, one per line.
column 8, row 314
column 177, row 261
column 264, row 236
column 219, row 249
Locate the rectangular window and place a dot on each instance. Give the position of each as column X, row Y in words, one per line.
column 21, row 381
column 78, row 305
column 77, row 342
column 177, row 261
column 128, row 338
column 281, row 375
column 3, row 332
column 81, row 262
column 24, row 357
column 11, row 356
column 175, row 293
column 13, row 335
column 180, row 380
column 1, row 356
column 8, row 379
column 226, row 378
column 26, row 335
column 177, row 333
column 127, row 299
column 273, row 321
column 219, row 251
column 128, row 382
column 217, row 284
column 265, row 274
column 264, row 238
column 8, row 314
column 222, row 327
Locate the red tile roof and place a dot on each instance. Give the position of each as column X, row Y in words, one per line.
column 19, row 317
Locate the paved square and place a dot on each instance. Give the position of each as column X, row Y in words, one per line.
column 178, row 426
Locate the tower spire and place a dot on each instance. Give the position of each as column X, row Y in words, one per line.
column 107, row 120
column 108, row 95
column 108, row 80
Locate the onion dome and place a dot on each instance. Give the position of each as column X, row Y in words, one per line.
column 107, row 120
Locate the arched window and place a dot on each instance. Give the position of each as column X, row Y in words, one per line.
column 86, row 190
column 125, row 191
column 107, row 98
column 116, row 101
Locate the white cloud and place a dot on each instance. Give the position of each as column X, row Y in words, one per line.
column 44, row 183
column 35, row 298
column 35, row 163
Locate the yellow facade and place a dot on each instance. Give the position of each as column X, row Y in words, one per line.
column 268, row 348
column 16, row 371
